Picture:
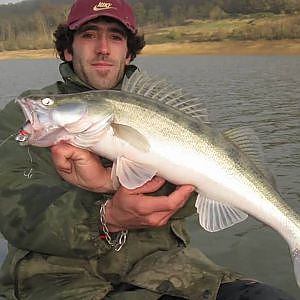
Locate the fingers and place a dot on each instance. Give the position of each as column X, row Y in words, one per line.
column 149, row 187
column 82, row 168
column 64, row 155
column 130, row 211
column 177, row 199
column 64, row 151
column 60, row 156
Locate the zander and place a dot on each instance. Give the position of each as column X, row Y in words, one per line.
column 150, row 129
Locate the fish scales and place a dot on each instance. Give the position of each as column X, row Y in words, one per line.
column 155, row 118
column 132, row 129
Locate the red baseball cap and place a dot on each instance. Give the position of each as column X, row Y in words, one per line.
column 83, row 11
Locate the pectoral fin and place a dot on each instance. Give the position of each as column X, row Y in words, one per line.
column 131, row 136
column 215, row 216
column 131, row 174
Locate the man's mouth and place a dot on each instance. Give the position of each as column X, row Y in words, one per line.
column 102, row 65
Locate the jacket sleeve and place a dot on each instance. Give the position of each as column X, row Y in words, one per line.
column 42, row 213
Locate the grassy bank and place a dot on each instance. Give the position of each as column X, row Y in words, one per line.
column 246, row 27
column 262, row 34
column 260, row 47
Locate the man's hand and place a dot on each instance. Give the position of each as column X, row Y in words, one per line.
column 128, row 209
column 132, row 209
column 81, row 168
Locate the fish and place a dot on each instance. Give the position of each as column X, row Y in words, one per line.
column 150, row 128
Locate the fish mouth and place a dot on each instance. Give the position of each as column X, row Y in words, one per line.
column 28, row 110
column 32, row 125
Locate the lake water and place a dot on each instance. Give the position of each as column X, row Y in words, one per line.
column 259, row 91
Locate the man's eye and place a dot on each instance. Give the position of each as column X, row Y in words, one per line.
column 88, row 35
column 117, row 37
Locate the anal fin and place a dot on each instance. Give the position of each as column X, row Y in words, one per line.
column 215, row 216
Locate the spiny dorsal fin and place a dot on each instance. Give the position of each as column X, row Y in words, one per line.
column 246, row 139
column 142, row 84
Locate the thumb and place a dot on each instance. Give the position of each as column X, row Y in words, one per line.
column 182, row 194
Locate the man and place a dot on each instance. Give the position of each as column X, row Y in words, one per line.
column 70, row 235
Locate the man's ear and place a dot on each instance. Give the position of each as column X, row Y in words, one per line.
column 68, row 55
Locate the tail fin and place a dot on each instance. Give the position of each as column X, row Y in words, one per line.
column 296, row 262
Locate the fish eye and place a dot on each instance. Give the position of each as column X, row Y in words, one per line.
column 47, row 101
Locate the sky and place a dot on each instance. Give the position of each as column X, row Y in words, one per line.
column 9, row 1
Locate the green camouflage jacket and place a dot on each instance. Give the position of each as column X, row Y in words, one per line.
column 52, row 228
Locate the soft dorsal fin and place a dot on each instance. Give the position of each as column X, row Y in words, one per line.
column 142, row 84
column 246, row 139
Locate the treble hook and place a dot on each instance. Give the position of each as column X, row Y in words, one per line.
column 29, row 173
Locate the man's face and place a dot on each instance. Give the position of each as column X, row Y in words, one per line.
column 100, row 54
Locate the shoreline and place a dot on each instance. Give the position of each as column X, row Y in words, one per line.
column 259, row 47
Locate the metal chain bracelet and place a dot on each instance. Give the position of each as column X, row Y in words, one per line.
column 120, row 240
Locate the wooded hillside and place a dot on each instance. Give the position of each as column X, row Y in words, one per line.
column 30, row 24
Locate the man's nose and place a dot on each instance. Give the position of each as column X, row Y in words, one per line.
column 102, row 45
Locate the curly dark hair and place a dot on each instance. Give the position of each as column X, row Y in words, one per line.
column 63, row 40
